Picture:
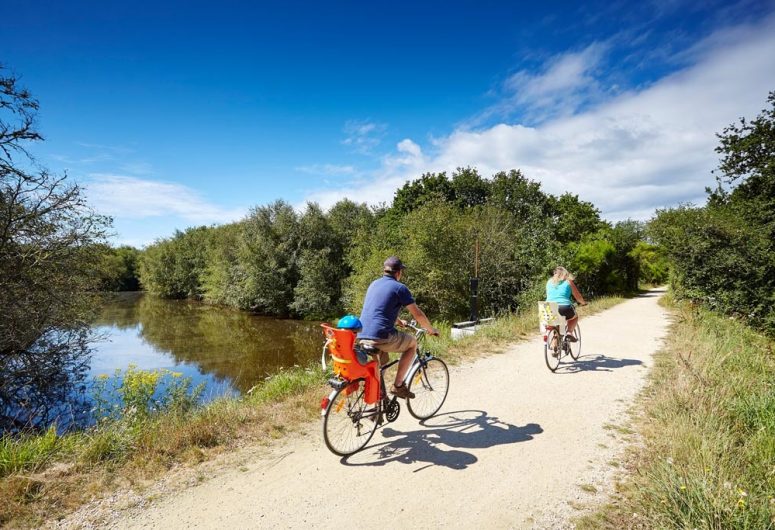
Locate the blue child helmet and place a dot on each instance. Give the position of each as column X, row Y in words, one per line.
column 349, row 322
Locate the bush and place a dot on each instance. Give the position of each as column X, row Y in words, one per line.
column 723, row 255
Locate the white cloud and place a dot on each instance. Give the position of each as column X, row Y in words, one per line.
column 564, row 84
column 635, row 152
column 363, row 136
column 134, row 198
column 328, row 170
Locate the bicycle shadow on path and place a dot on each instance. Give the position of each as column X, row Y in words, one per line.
column 598, row 363
column 463, row 429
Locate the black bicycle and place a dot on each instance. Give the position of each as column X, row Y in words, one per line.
column 349, row 422
column 557, row 345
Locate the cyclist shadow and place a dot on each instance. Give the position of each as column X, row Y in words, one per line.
column 464, row 429
column 598, row 363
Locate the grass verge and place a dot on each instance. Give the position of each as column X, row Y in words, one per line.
column 46, row 475
column 707, row 420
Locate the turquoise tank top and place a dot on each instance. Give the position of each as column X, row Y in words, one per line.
column 559, row 293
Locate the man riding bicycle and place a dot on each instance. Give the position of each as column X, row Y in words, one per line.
column 383, row 302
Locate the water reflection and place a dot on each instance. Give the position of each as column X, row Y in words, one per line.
column 46, row 383
column 228, row 350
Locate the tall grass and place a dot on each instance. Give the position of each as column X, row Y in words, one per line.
column 152, row 432
column 28, row 452
column 708, row 426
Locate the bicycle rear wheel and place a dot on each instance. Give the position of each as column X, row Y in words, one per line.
column 575, row 347
column 552, row 350
column 349, row 422
column 430, row 384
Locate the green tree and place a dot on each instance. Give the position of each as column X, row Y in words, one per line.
column 49, row 251
column 118, row 269
column 573, row 218
column 593, row 263
column 175, row 267
column 469, row 188
column 225, row 275
column 748, row 150
column 321, row 266
column 269, row 254
column 430, row 187
column 652, row 262
column 723, row 255
column 521, row 197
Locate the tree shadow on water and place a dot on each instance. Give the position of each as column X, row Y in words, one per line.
column 597, row 363
column 440, row 442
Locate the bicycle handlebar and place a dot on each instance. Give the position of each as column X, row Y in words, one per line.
column 419, row 332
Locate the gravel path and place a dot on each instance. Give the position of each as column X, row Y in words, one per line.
column 514, row 446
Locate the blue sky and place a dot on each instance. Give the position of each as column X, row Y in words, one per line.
column 175, row 114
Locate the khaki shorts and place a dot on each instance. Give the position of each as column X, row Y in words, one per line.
column 397, row 342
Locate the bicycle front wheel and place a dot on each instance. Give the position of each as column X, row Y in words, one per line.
column 575, row 347
column 349, row 422
column 430, row 384
column 552, row 350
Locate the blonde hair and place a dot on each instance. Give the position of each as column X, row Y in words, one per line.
column 561, row 274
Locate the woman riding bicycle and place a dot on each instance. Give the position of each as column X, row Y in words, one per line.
column 559, row 289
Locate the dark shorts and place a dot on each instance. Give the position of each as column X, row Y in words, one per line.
column 567, row 311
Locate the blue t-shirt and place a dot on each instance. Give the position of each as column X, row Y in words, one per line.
column 384, row 299
column 559, row 293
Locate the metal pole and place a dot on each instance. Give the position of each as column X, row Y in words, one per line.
column 475, row 286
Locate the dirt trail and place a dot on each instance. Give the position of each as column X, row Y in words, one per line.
column 514, row 446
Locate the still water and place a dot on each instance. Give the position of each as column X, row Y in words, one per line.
column 228, row 350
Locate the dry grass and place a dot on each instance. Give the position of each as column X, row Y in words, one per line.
column 53, row 475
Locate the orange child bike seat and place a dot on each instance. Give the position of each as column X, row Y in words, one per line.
column 340, row 346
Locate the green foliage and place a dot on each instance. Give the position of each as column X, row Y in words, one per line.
column 286, row 383
column 318, row 264
column 653, row 264
column 723, row 255
column 574, row 218
column 224, row 273
column 593, row 262
column 118, row 269
column 521, row 197
column 269, row 252
column 469, row 189
column 439, row 249
column 606, row 261
column 173, row 267
column 429, row 187
column 719, row 261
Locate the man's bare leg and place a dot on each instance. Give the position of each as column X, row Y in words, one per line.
column 404, row 363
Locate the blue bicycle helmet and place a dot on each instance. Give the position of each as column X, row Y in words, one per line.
column 349, row 322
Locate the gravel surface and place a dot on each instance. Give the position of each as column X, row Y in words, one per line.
column 514, row 446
